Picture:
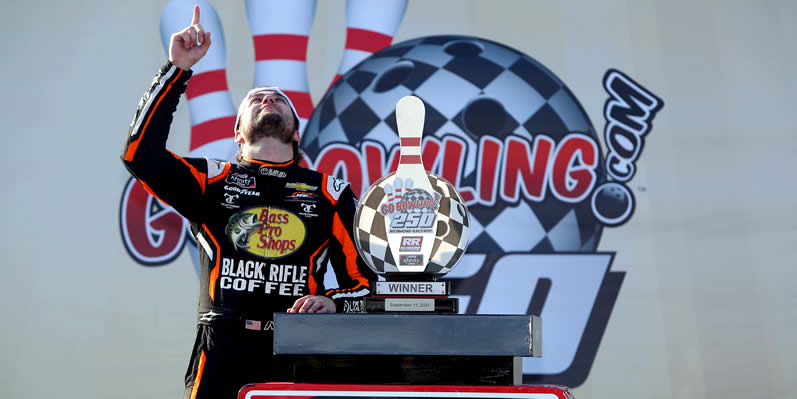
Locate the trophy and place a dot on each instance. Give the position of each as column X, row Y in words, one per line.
column 411, row 227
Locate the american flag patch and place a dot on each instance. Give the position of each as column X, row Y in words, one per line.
column 253, row 325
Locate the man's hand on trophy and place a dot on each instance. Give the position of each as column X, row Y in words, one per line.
column 313, row 304
column 189, row 45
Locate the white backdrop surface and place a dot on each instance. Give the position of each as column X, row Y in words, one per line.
column 707, row 308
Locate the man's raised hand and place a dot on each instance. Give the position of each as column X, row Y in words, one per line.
column 189, row 45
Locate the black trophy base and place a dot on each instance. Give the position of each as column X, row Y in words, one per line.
column 417, row 370
column 411, row 305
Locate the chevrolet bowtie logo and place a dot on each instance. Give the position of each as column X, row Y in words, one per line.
column 301, row 186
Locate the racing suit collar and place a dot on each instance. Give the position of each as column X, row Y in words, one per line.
column 257, row 163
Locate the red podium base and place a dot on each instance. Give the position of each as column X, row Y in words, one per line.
column 331, row 391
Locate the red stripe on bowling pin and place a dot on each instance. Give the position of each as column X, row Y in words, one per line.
column 302, row 102
column 280, row 31
column 407, row 184
column 410, row 159
column 280, row 47
column 209, row 101
column 389, row 193
column 397, row 188
column 210, row 131
column 411, row 141
column 366, row 40
column 205, row 83
column 410, row 150
column 370, row 27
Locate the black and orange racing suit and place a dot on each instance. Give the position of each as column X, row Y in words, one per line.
column 264, row 233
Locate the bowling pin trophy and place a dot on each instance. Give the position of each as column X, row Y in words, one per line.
column 411, row 227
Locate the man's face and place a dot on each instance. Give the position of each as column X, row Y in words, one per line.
column 267, row 114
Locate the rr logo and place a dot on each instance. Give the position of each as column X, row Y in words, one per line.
column 409, row 244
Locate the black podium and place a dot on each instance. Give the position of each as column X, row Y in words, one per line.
column 386, row 348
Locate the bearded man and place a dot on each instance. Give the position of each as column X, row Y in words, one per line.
column 265, row 227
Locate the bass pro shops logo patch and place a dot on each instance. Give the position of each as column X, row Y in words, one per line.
column 266, row 232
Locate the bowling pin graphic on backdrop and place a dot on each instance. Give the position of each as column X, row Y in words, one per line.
column 370, row 27
column 210, row 104
column 280, row 32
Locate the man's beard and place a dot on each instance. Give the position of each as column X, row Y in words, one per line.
column 271, row 124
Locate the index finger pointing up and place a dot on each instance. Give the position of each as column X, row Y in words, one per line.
column 195, row 19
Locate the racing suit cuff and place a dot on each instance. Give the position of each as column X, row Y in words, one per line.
column 182, row 80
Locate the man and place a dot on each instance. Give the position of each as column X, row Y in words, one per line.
column 265, row 227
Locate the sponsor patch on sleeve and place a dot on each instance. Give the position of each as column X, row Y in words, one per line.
column 335, row 186
column 215, row 167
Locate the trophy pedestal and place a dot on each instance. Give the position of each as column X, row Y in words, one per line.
column 404, row 369
column 408, row 348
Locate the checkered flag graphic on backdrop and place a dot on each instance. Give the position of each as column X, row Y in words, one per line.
column 471, row 88
column 452, row 229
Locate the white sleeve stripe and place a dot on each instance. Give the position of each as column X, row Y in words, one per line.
column 322, row 259
column 204, row 243
column 154, row 95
